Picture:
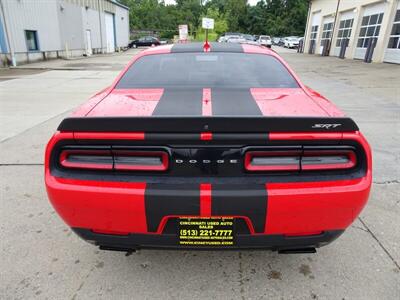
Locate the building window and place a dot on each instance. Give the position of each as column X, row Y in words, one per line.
column 31, row 40
column 370, row 28
column 314, row 32
column 326, row 32
column 394, row 40
column 344, row 32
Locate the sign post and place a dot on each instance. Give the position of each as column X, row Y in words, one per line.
column 207, row 23
column 183, row 33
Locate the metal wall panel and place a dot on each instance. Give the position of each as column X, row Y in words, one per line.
column 39, row 15
column 71, row 27
column 122, row 26
column 63, row 24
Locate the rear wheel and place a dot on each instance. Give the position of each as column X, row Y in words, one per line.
column 134, row 46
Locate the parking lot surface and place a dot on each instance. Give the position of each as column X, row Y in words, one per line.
column 41, row 258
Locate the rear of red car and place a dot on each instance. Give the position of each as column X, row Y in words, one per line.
column 198, row 160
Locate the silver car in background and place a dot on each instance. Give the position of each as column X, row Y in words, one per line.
column 291, row 42
column 265, row 40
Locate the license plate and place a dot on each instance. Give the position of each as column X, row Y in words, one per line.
column 210, row 232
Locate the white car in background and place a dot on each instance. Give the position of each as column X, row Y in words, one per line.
column 265, row 40
column 291, row 42
column 236, row 39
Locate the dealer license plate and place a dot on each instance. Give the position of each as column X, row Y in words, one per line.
column 211, row 232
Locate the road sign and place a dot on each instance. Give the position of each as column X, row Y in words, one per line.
column 208, row 23
column 183, row 32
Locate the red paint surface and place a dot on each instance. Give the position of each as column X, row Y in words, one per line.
column 88, row 204
column 128, row 102
column 324, row 103
column 138, row 136
column 318, row 206
column 288, row 102
column 315, row 206
column 206, row 102
column 84, row 109
column 205, row 200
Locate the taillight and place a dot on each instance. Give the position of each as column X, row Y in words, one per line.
column 119, row 160
column 306, row 160
column 328, row 160
column 140, row 161
column 272, row 160
column 87, row 159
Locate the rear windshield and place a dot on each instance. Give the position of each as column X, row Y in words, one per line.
column 224, row 70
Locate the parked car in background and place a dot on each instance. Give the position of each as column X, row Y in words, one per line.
column 224, row 38
column 221, row 39
column 275, row 41
column 145, row 41
column 265, row 40
column 236, row 39
column 249, row 37
column 291, row 42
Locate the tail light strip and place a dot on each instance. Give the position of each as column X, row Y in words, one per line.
column 121, row 160
column 307, row 160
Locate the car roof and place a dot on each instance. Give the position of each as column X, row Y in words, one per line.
column 215, row 47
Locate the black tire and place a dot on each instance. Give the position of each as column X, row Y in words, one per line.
column 134, row 46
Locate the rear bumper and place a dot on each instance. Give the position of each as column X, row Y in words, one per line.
column 270, row 209
column 170, row 241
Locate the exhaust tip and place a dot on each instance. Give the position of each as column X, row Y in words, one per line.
column 129, row 251
column 298, row 251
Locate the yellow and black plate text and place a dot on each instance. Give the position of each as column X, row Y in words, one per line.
column 206, row 231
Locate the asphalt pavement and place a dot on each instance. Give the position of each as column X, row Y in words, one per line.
column 42, row 259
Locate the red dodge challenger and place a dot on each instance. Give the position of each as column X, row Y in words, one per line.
column 218, row 147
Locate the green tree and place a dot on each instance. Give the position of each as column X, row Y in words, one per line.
column 220, row 25
column 273, row 17
column 236, row 14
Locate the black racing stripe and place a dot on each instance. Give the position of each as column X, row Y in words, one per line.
column 234, row 102
column 163, row 200
column 226, row 47
column 241, row 200
column 198, row 47
column 189, row 47
column 180, row 102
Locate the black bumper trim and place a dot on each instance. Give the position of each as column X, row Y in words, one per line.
column 170, row 241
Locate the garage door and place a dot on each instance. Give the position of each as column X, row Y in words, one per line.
column 344, row 31
column 370, row 28
column 327, row 28
column 315, row 22
column 392, row 53
column 110, row 32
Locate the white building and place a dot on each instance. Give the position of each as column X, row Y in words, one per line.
column 32, row 30
column 358, row 23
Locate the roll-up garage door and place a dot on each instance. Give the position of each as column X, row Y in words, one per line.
column 392, row 52
column 110, row 32
column 370, row 28
column 327, row 28
column 315, row 22
column 344, row 30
